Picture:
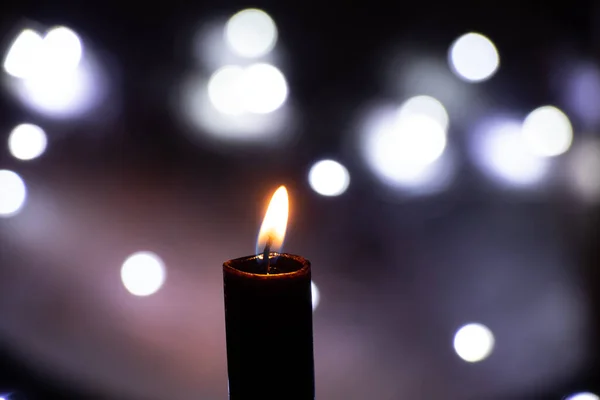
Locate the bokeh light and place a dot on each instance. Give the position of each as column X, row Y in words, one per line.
column 236, row 125
column 500, row 150
column 474, row 342
column 251, row 33
column 425, row 105
column 548, row 131
column 143, row 273
column 329, row 178
column 13, row 193
column 315, row 294
column 224, row 90
column 583, row 396
column 56, row 79
column 61, row 50
column 473, row 57
column 60, row 93
column 265, row 88
column 27, row 141
column 257, row 89
column 405, row 151
column 23, row 56
column 583, row 171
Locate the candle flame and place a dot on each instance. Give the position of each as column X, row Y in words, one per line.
column 275, row 223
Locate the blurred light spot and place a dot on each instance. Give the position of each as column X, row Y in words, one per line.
column 583, row 396
column 61, row 50
column 143, row 273
column 473, row 342
column 57, row 80
column 501, row 151
column 13, row 193
column 406, row 151
column 316, row 296
column 548, row 131
column 27, row 141
column 265, row 88
column 473, row 57
column 63, row 93
column 425, row 105
column 329, row 178
column 251, row 33
column 23, row 55
column 200, row 110
column 584, row 170
column 582, row 93
column 224, row 90
column 258, row 89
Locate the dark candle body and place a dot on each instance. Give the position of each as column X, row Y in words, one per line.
column 269, row 329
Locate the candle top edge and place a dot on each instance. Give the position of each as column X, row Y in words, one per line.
column 293, row 264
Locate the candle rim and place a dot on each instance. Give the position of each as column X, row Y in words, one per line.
column 305, row 267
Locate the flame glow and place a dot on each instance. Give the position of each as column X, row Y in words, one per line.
column 275, row 223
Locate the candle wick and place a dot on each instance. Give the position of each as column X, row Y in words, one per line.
column 267, row 252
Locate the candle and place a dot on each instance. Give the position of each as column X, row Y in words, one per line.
column 268, row 316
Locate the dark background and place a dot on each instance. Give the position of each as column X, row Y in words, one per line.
column 398, row 275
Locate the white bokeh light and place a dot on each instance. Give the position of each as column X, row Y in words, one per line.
column 13, row 193
column 473, row 57
column 583, row 396
column 27, row 141
column 265, row 88
column 143, row 273
column 62, row 94
column 329, row 178
column 548, row 131
column 315, row 294
column 224, row 90
column 221, row 130
column 425, row 105
column 56, row 79
column 474, row 342
column 500, row 150
column 402, row 152
column 406, row 151
column 61, row 50
column 251, row 33
column 23, row 55
column 257, row 89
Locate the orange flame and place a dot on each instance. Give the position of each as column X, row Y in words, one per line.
column 275, row 223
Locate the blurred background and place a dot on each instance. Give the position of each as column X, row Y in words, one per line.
column 442, row 160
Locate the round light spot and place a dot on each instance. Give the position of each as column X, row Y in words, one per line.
column 583, row 396
column 27, row 141
column 23, row 55
column 251, row 33
column 257, row 89
column 264, row 88
column 143, row 273
column 13, row 193
column 474, row 342
column 225, row 88
column 59, row 93
column 406, row 152
column 425, row 105
column 61, row 50
column 329, row 178
column 473, row 57
column 316, row 296
column 548, row 131
column 500, row 150
column 402, row 152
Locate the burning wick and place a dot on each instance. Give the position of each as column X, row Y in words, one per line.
column 266, row 253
